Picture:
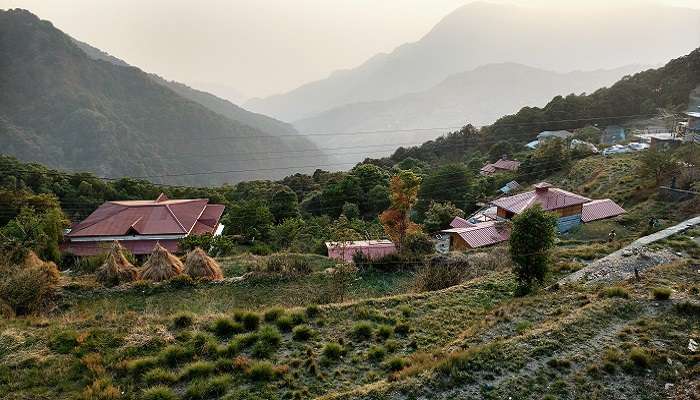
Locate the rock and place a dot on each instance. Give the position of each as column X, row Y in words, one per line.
column 692, row 345
column 668, row 386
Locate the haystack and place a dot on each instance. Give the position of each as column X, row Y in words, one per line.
column 161, row 265
column 29, row 286
column 199, row 265
column 116, row 269
column 47, row 268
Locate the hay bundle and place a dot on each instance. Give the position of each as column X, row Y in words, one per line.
column 199, row 265
column 161, row 265
column 29, row 286
column 116, row 269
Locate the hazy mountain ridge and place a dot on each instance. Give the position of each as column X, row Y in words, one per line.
column 208, row 100
column 483, row 33
column 62, row 108
column 479, row 97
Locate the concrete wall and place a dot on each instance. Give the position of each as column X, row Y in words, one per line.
column 565, row 224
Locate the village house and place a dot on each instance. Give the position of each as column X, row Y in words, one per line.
column 502, row 165
column 372, row 249
column 572, row 209
column 612, row 134
column 549, row 135
column 140, row 224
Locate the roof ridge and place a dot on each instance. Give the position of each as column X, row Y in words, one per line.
column 167, row 207
column 101, row 219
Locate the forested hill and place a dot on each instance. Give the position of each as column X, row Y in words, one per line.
column 641, row 95
column 208, row 100
column 60, row 107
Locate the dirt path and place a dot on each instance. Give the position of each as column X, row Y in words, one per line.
column 622, row 264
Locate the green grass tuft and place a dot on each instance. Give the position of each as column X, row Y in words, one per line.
column 159, row 393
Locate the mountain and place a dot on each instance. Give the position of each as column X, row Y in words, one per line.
column 673, row 88
column 559, row 37
column 214, row 103
column 63, row 108
column 479, row 97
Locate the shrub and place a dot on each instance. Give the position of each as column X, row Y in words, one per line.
column 181, row 281
column 159, row 393
column 288, row 264
column 362, row 330
column 440, row 272
column 30, row 286
column 419, row 244
column 332, row 351
column 198, row 369
column 250, row 321
column 159, row 376
column 640, row 357
column 64, row 341
column 376, row 353
column 532, row 236
column 173, row 354
column 101, row 389
column 140, row 365
column 385, row 331
column 302, row 332
column 260, row 249
column 204, row 344
column 214, row 387
column 312, row 311
column 661, row 293
column 688, row 308
column 402, row 328
column 285, row 323
column 260, row 371
column 183, row 320
column 396, row 364
column 615, row 291
column 224, row 327
column 272, row 314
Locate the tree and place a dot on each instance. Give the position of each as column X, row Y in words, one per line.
column 658, row 163
column 351, row 211
column 250, row 219
column 30, row 230
column 378, row 199
column 446, row 183
column 396, row 220
column 499, row 150
column 439, row 216
column 284, row 204
column 549, row 157
column 531, row 238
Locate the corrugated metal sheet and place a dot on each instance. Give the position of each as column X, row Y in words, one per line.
column 149, row 217
column 482, row 234
column 499, row 166
column 600, row 209
column 550, row 198
column 458, row 222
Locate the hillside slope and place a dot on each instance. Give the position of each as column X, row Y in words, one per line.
column 559, row 37
column 208, row 100
column 62, row 108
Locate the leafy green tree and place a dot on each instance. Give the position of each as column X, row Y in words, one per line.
column 439, row 216
column 377, row 199
column 532, row 237
column 446, row 183
column 369, row 176
column 250, row 219
column 335, row 195
column 658, row 163
column 500, row 149
column 351, row 211
column 284, row 204
column 550, row 156
column 39, row 232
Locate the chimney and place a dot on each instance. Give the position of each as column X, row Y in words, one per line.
column 542, row 187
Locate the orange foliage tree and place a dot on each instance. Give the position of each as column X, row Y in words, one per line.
column 403, row 193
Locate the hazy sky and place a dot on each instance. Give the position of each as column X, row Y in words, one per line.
column 258, row 47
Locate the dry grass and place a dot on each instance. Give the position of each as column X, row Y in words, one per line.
column 30, row 286
column 161, row 265
column 199, row 265
column 116, row 269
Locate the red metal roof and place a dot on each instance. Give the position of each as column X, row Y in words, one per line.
column 502, row 165
column 458, row 222
column 547, row 196
column 482, row 234
column 600, row 209
column 150, row 217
